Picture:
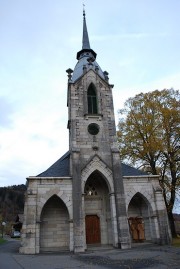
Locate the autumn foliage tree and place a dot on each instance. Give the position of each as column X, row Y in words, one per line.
column 149, row 137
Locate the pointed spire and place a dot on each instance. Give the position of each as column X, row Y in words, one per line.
column 85, row 40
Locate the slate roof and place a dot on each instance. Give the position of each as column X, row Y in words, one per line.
column 128, row 170
column 61, row 169
column 83, row 62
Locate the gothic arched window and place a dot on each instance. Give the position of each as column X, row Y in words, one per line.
column 92, row 100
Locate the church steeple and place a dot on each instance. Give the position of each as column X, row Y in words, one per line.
column 85, row 41
column 86, row 57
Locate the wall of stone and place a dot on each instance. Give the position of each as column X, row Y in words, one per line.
column 153, row 211
column 39, row 191
column 54, row 226
column 78, row 113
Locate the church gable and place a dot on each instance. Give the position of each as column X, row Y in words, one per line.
column 90, row 74
column 96, row 164
column 90, row 95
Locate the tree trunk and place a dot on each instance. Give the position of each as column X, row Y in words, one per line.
column 172, row 197
column 153, row 165
column 172, row 225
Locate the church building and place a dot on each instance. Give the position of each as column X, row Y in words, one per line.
column 88, row 197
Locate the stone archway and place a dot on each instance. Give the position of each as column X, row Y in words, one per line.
column 139, row 218
column 97, row 208
column 54, row 225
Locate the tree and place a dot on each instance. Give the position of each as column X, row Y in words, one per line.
column 149, row 136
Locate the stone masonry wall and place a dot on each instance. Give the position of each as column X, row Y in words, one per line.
column 38, row 192
column 80, row 119
column 156, row 220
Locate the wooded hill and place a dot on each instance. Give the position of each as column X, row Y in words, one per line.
column 11, row 202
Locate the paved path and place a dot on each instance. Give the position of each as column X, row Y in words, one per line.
column 139, row 257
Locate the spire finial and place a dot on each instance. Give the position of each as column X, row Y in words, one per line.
column 84, row 13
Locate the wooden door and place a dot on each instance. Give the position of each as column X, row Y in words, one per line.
column 93, row 235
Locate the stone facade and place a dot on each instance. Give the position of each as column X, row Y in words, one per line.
column 144, row 198
column 88, row 197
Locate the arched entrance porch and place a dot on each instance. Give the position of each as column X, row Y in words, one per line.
column 54, row 226
column 98, row 220
column 141, row 222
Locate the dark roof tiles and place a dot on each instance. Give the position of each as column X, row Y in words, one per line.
column 128, row 170
column 61, row 169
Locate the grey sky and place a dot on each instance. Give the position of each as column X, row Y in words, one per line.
column 137, row 42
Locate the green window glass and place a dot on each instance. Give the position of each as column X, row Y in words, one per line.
column 92, row 100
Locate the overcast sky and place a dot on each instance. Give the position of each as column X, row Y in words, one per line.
column 137, row 42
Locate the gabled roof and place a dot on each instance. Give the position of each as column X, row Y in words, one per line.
column 61, row 169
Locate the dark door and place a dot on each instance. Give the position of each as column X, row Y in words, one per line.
column 93, row 229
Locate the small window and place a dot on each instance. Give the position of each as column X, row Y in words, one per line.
column 92, row 100
column 93, row 128
column 90, row 190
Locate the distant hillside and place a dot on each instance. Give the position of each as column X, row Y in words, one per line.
column 11, row 202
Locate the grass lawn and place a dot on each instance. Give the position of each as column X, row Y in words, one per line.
column 2, row 240
column 176, row 242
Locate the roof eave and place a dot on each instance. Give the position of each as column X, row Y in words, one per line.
column 142, row 176
column 34, row 177
column 86, row 50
